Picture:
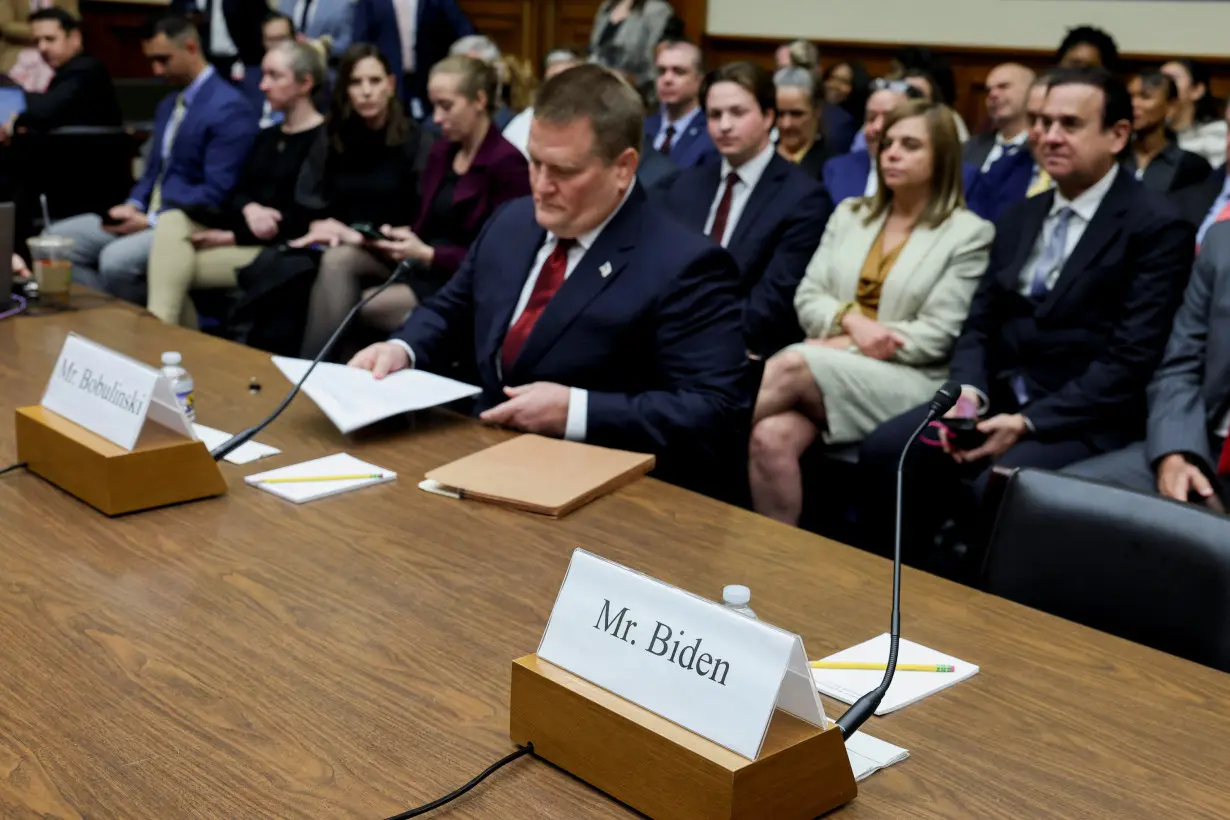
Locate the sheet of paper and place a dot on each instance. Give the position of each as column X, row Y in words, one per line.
column 338, row 464
column 244, row 453
column 352, row 398
column 869, row 754
column 848, row 685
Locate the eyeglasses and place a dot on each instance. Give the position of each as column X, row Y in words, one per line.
column 898, row 86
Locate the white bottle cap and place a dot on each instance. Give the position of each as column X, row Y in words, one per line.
column 736, row 594
column 171, row 358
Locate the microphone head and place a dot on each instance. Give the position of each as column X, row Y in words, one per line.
column 945, row 397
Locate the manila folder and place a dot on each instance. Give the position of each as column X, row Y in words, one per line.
column 542, row 475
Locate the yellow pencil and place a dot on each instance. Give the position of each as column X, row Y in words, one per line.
column 880, row 667
column 301, row 479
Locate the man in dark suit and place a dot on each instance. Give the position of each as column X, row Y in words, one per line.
column 769, row 214
column 80, row 93
column 1206, row 202
column 414, row 35
column 201, row 138
column 1065, row 329
column 1014, row 175
column 1185, row 455
column 1007, row 97
column 594, row 316
column 678, row 129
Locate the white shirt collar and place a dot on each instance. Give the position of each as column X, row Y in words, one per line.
column 682, row 123
column 752, row 170
column 1015, row 142
column 586, row 240
column 1086, row 204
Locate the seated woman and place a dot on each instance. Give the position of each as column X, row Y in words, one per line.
column 1198, row 120
column 1155, row 156
column 199, row 250
column 882, row 303
column 802, row 135
column 468, row 175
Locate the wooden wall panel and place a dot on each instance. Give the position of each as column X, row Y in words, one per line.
column 512, row 24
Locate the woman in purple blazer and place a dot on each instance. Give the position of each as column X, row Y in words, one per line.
column 467, row 176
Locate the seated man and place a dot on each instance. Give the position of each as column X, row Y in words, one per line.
column 1185, row 454
column 1008, row 88
column 1065, row 329
column 201, row 139
column 762, row 208
column 1014, row 175
column 80, row 93
column 594, row 316
column 677, row 129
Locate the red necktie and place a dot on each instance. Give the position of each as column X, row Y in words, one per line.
column 666, row 143
column 723, row 210
column 1223, row 466
column 549, row 280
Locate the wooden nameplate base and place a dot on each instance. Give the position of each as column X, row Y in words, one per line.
column 666, row 771
column 164, row 468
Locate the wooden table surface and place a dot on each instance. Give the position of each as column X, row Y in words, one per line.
column 242, row 657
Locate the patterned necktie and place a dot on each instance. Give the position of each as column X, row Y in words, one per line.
column 168, row 143
column 549, row 280
column 718, row 232
column 1052, row 257
column 1040, row 185
column 670, row 138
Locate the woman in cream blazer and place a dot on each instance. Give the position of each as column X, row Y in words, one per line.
column 882, row 303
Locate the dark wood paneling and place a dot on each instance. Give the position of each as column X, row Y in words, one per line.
column 970, row 64
column 112, row 33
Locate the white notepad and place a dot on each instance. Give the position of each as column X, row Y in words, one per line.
column 353, row 398
column 869, row 754
column 848, row 685
column 338, row 464
column 248, row 451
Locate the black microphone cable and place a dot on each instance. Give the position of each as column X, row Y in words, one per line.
column 527, row 749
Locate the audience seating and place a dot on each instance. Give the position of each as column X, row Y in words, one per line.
column 1141, row 567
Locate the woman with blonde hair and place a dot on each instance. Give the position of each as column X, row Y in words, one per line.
column 881, row 304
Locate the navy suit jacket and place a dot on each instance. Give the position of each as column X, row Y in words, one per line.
column 839, row 127
column 1087, row 350
column 845, row 176
column 440, row 23
column 691, row 148
column 656, row 340
column 777, row 235
column 1006, row 182
column 209, row 150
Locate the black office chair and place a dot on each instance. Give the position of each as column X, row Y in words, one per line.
column 1141, row 567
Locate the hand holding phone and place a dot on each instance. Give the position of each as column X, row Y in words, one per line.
column 369, row 231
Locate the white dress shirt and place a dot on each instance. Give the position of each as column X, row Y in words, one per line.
column 873, row 179
column 680, row 125
column 1083, row 208
column 220, row 42
column 749, row 174
column 407, row 12
column 576, row 425
column 300, row 19
column 518, row 131
column 1003, row 146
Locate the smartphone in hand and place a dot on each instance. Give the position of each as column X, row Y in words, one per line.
column 369, row 231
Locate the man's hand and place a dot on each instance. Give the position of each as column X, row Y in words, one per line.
column 541, row 407
column 262, row 222
column 212, row 238
column 1002, row 432
column 128, row 220
column 19, row 267
column 1177, row 478
column 381, row 358
column 403, row 245
column 872, row 338
column 329, row 233
column 966, row 406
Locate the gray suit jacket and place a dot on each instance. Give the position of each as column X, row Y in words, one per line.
column 1190, row 392
column 631, row 49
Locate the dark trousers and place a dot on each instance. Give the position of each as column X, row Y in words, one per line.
column 935, row 488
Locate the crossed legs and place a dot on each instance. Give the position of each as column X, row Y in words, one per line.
column 788, row 417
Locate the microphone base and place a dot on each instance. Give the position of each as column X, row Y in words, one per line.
column 665, row 771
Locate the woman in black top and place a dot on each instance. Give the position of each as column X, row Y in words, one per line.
column 203, row 248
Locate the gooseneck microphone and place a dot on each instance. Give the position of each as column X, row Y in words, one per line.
column 225, row 448
column 866, row 706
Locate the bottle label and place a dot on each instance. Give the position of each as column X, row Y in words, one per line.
column 187, row 400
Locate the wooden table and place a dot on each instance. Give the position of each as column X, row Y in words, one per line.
column 245, row 658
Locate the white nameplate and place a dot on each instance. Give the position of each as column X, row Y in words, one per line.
column 110, row 394
column 689, row 660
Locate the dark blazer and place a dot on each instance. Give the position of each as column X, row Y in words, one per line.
column 244, row 20
column 80, row 93
column 209, row 149
column 656, row 340
column 839, row 128
column 656, row 169
column 497, row 174
column 1190, row 392
column 1195, row 201
column 439, row 24
column 1004, row 183
column 977, row 148
column 845, row 176
column 1086, row 351
column 813, row 161
column 1172, row 170
column 777, row 234
column 691, row 148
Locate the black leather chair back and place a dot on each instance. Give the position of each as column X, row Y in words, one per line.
column 1141, row 567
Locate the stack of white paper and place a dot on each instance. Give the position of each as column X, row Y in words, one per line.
column 248, row 451
column 353, row 398
column 848, row 685
column 360, row 474
column 868, row 754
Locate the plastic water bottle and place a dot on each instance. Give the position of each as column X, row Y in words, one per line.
column 181, row 383
column 737, row 597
